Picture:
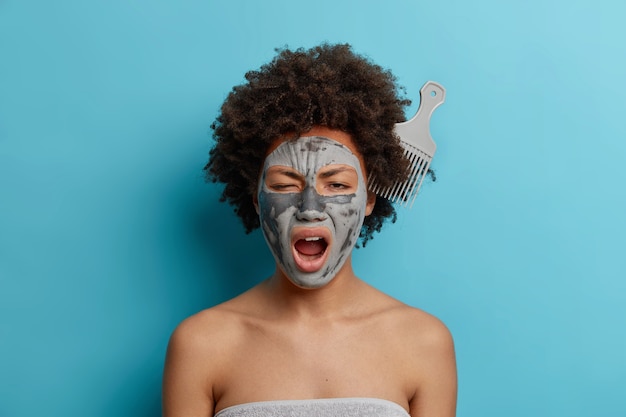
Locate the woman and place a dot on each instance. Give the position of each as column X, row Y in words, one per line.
column 295, row 146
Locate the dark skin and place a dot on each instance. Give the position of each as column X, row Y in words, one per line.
column 278, row 341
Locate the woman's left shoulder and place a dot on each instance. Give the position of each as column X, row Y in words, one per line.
column 418, row 328
column 424, row 358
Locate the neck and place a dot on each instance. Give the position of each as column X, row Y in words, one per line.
column 335, row 299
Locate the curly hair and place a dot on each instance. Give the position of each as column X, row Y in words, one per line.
column 328, row 85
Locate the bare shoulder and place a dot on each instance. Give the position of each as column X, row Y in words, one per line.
column 212, row 330
column 415, row 327
column 197, row 334
column 423, row 329
column 429, row 360
column 423, row 340
column 197, row 351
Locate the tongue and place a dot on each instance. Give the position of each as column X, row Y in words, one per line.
column 312, row 247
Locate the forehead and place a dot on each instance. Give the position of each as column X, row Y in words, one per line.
column 311, row 153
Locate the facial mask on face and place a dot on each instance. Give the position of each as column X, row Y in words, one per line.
column 311, row 235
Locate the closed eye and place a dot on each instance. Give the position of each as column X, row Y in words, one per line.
column 284, row 187
column 283, row 179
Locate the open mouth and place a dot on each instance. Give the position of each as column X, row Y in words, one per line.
column 311, row 247
column 310, row 253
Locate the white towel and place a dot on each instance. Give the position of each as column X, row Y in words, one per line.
column 326, row 407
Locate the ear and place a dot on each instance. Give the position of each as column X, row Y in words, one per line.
column 371, row 201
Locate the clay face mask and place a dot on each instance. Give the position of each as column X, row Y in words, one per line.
column 312, row 199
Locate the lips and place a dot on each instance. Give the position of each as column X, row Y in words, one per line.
column 310, row 248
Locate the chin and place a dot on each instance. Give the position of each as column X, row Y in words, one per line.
column 310, row 284
column 314, row 279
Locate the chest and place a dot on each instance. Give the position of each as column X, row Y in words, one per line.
column 326, row 364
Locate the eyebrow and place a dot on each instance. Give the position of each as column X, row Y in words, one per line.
column 287, row 172
column 335, row 171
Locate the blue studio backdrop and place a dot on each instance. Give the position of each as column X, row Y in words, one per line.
column 109, row 236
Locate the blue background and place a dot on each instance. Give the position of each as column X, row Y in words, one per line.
column 109, row 236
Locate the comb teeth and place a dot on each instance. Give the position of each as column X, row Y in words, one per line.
column 404, row 193
column 419, row 148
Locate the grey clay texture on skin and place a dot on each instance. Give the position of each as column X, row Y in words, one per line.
column 342, row 214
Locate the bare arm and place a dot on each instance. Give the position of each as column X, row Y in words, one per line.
column 186, row 388
column 437, row 391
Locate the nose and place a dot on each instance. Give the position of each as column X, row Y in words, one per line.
column 311, row 207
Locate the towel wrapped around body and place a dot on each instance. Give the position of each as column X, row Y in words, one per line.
column 326, row 407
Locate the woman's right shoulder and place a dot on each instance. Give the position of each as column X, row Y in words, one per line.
column 198, row 356
column 220, row 325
